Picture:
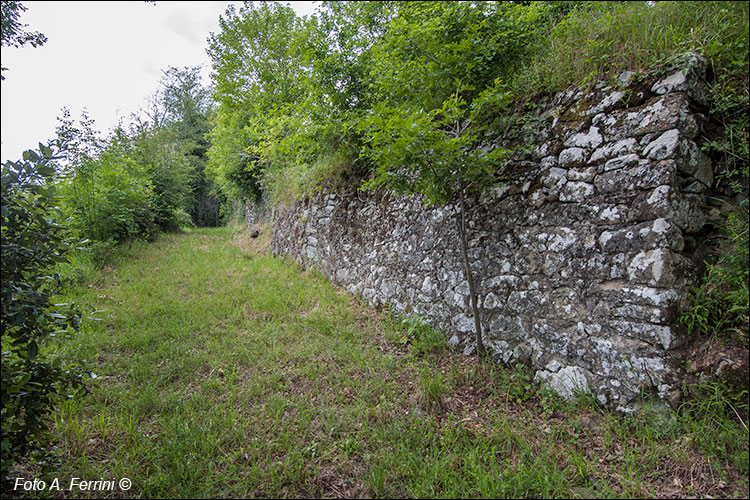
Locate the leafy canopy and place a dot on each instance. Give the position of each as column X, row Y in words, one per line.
column 12, row 32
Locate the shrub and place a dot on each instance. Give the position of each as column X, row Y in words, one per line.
column 33, row 240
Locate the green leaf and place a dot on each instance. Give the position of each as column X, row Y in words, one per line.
column 30, row 155
column 45, row 170
column 32, row 349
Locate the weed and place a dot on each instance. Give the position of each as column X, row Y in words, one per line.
column 433, row 387
column 422, row 337
column 715, row 418
column 721, row 303
column 518, row 383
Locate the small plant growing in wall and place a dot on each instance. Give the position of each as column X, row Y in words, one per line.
column 440, row 154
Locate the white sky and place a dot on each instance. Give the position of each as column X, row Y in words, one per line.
column 106, row 57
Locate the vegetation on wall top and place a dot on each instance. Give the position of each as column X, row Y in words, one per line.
column 293, row 92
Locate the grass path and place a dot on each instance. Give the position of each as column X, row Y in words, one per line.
column 230, row 373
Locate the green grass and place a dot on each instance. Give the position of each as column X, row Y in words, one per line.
column 230, row 373
column 599, row 40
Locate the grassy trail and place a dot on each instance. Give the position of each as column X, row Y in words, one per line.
column 230, row 373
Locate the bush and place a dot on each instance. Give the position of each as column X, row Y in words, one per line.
column 33, row 241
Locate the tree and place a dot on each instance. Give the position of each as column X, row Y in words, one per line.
column 441, row 155
column 430, row 46
column 184, row 99
column 437, row 75
column 12, row 31
column 261, row 83
column 108, row 194
column 187, row 108
column 341, row 40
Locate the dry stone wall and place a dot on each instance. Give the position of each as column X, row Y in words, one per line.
column 582, row 257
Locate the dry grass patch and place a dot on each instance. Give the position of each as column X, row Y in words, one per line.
column 255, row 240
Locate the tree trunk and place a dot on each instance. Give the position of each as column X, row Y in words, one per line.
column 461, row 223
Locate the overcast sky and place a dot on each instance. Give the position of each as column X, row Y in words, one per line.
column 106, row 57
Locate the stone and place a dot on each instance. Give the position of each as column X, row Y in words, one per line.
column 311, row 252
column 561, row 240
column 507, row 327
column 625, row 78
column 567, row 381
column 623, row 147
column 572, row 157
column 645, row 331
column 589, row 140
column 609, row 102
column 576, row 191
column 665, row 202
column 463, row 323
column 665, row 146
column 621, row 162
column 687, row 78
column 675, row 81
column 695, row 187
column 612, row 213
column 693, row 162
column 549, row 161
column 658, row 267
column 644, row 175
column 555, row 178
column 670, row 111
column 582, row 174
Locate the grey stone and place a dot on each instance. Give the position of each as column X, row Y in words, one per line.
column 555, row 178
column 549, row 161
column 693, row 162
column 625, row 78
column 665, row 146
column 463, row 323
column 572, row 157
column 658, row 115
column 621, row 162
column 576, row 191
column 566, row 381
column 610, row 150
column 589, row 140
column 687, row 78
column 582, row 174
column 609, row 102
